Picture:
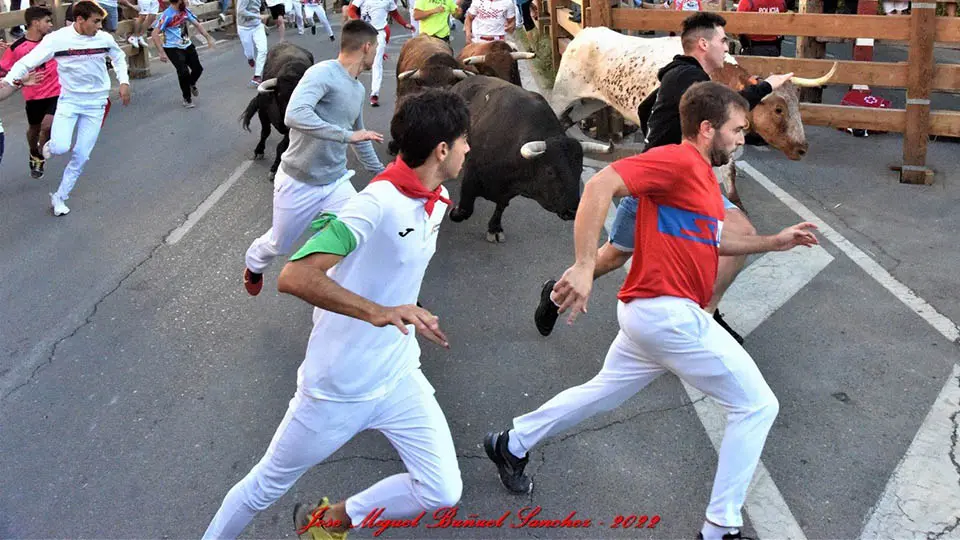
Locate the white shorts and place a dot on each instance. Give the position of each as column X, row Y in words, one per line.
column 148, row 7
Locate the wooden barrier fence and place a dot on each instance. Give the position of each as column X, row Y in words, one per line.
column 919, row 75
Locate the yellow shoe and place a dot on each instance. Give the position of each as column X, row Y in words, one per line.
column 309, row 522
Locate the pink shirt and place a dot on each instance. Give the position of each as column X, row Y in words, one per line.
column 50, row 87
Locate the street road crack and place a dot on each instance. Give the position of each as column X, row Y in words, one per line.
column 89, row 318
column 954, row 440
column 619, row 422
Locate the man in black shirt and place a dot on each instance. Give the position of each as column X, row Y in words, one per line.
column 704, row 45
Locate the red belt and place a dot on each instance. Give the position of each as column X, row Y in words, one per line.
column 491, row 38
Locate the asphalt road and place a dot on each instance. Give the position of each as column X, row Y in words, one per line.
column 139, row 381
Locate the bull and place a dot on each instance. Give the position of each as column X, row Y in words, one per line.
column 286, row 63
column 426, row 61
column 602, row 67
column 517, row 147
column 495, row 58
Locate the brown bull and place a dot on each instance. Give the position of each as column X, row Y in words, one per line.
column 426, row 61
column 495, row 59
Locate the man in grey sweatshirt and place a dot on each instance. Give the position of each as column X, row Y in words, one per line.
column 324, row 116
column 253, row 37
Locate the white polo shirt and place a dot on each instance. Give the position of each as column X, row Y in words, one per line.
column 490, row 17
column 351, row 360
column 375, row 11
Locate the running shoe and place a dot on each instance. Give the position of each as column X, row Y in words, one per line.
column 509, row 466
column 143, row 42
column 188, row 104
column 132, row 40
column 374, row 101
column 252, row 282
column 194, row 91
column 59, row 208
column 36, row 167
column 730, row 536
column 308, row 522
column 547, row 312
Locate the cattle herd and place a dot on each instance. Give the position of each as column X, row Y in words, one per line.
column 519, row 141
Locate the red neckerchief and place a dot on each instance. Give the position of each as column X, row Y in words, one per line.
column 407, row 182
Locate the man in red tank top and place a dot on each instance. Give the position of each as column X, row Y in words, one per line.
column 663, row 327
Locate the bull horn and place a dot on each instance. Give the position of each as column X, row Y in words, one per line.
column 813, row 83
column 523, row 55
column 409, row 73
column 461, row 74
column 533, row 149
column 469, row 61
column 267, row 86
column 595, row 147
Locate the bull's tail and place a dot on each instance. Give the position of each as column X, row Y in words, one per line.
column 251, row 110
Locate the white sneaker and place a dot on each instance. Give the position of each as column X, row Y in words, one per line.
column 59, row 208
column 143, row 42
column 46, row 150
column 132, row 40
column 188, row 104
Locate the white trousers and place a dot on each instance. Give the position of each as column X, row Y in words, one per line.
column 254, row 42
column 415, row 23
column 888, row 7
column 86, row 118
column 296, row 8
column 311, row 10
column 312, row 429
column 295, row 206
column 378, row 63
column 664, row 334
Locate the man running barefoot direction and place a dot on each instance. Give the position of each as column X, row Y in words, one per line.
column 80, row 50
column 363, row 271
column 663, row 327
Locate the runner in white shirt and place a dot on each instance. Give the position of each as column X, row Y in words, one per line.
column 315, row 8
column 362, row 366
column 375, row 12
column 80, row 50
column 490, row 20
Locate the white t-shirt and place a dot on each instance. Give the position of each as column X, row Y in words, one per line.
column 271, row 3
column 490, row 16
column 351, row 360
column 375, row 12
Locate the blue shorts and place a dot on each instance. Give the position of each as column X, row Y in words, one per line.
column 625, row 223
column 110, row 21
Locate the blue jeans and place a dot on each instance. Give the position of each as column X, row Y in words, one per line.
column 112, row 18
column 625, row 223
column 224, row 6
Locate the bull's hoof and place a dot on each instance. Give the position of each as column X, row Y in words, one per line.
column 496, row 238
column 458, row 214
column 257, row 156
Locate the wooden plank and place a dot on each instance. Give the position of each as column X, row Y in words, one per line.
column 554, row 33
column 789, row 24
column 920, row 73
column 945, row 123
column 10, row 19
column 842, row 117
column 942, row 123
column 563, row 19
column 601, row 13
column 948, row 29
column 946, row 77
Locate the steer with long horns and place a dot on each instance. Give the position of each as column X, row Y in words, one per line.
column 517, row 147
column 601, row 67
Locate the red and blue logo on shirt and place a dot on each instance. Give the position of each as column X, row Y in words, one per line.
column 688, row 225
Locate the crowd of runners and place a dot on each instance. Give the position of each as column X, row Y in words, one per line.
column 362, row 364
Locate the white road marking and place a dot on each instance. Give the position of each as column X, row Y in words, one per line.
column 768, row 283
column 920, row 500
column 941, row 323
column 207, row 204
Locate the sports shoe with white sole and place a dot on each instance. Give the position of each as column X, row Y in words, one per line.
column 133, row 42
column 59, row 208
column 188, row 104
column 509, row 466
column 143, row 42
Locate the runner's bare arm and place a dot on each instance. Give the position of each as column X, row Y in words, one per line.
column 307, row 279
column 800, row 234
column 573, row 289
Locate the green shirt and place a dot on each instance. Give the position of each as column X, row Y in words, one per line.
column 438, row 24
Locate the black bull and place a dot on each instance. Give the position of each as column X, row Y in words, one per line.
column 517, row 147
column 286, row 63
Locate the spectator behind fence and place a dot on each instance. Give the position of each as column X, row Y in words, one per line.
column 761, row 45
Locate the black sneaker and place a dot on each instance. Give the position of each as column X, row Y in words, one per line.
column 36, row 167
column 547, row 312
column 509, row 466
column 313, row 30
column 717, row 316
column 730, row 536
